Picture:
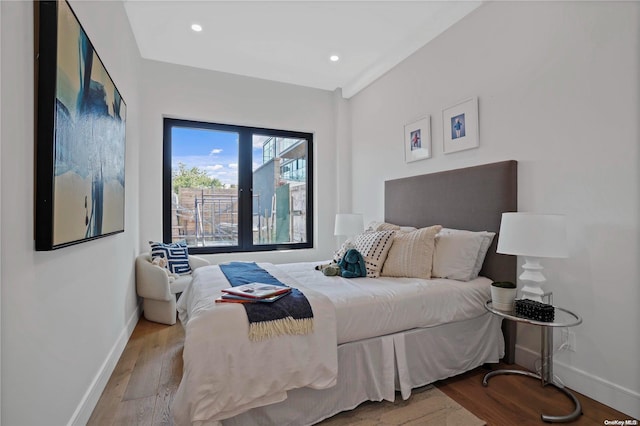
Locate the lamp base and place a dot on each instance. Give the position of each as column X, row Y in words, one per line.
column 533, row 279
column 532, row 292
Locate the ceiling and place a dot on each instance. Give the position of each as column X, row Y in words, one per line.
column 291, row 41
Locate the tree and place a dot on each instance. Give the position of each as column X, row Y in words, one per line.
column 193, row 178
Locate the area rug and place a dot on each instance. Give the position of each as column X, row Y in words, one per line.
column 427, row 406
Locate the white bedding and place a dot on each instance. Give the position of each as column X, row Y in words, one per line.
column 225, row 374
column 368, row 307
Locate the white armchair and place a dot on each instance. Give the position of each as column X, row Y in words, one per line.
column 158, row 291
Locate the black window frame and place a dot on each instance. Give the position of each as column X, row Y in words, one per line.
column 245, row 185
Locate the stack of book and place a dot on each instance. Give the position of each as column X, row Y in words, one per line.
column 253, row 293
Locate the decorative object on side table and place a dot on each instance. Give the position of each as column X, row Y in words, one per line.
column 534, row 310
column 533, row 236
column 460, row 129
column 503, row 294
column 417, row 140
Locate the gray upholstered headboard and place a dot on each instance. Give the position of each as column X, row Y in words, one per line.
column 472, row 198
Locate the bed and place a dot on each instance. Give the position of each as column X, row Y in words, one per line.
column 372, row 336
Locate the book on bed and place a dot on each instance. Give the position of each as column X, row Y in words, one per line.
column 257, row 290
column 232, row 298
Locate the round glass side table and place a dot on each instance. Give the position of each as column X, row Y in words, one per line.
column 562, row 318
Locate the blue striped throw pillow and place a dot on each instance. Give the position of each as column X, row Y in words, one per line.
column 177, row 255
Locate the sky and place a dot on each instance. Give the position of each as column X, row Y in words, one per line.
column 214, row 151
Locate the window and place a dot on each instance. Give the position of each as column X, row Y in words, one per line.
column 234, row 188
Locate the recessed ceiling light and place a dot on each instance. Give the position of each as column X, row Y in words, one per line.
column 334, row 58
column 196, row 27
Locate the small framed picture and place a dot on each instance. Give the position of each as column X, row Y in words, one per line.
column 460, row 126
column 417, row 140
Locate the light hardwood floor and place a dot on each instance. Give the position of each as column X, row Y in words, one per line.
column 145, row 379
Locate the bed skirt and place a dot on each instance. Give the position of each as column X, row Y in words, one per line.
column 373, row 369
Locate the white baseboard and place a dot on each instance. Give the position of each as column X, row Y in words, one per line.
column 604, row 391
column 92, row 395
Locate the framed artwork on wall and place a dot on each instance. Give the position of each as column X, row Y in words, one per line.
column 80, row 142
column 460, row 126
column 417, row 139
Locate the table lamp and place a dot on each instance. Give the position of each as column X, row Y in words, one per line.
column 533, row 236
column 348, row 224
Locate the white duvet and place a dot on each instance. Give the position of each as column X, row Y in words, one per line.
column 225, row 374
column 368, row 307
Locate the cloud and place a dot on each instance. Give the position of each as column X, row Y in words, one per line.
column 215, row 151
column 259, row 140
column 225, row 168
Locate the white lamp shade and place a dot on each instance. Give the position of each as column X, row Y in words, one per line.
column 348, row 224
column 534, row 235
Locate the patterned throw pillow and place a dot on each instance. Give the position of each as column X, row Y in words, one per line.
column 177, row 255
column 411, row 254
column 374, row 246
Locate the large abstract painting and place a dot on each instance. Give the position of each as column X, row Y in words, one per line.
column 80, row 145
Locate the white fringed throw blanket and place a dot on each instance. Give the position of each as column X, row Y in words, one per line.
column 291, row 314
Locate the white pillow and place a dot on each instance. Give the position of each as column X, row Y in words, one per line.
column 411, row 254
column 459, row 254
column 484, row 248
column 408, row 229
column 384, row 226
column 487, row 239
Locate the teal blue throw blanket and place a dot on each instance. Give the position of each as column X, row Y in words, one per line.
column 291, row 314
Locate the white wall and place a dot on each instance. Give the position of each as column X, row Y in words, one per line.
column 65, row 313
column 342, row 156
column 0, row 222
column 558, row 91
column 189, row 93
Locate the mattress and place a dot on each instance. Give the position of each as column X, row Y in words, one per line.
column 369, row 307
